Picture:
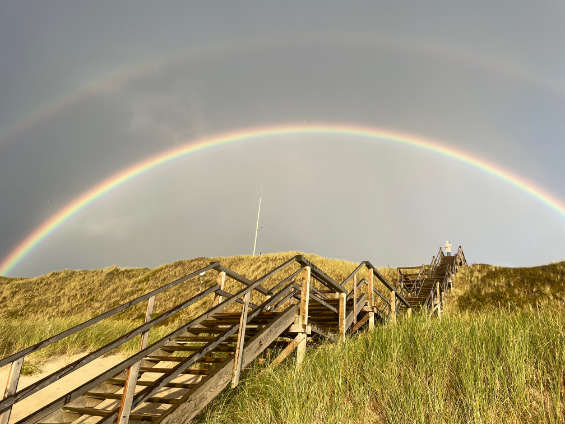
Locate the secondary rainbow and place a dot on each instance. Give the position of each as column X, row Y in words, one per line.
column 128, row 174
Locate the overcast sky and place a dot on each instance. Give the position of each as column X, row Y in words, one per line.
column 90, row 88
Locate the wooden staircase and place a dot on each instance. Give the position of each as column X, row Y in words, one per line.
column 174, row 378
column 427, row 288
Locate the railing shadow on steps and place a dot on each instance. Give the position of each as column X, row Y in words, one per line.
column 278, row 301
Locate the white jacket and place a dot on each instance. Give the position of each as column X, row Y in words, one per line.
column 448, row 246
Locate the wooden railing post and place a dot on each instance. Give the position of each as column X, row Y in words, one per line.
column 221, row 282
column 341, row 321
column 355, row 312
column 240, row 342
column 133, row 372
column 12, row 386
column 438, row 296
column 393, row 306
column 371, row 298
column 305, row 295
column 303, row 319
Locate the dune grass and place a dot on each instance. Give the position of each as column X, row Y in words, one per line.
column 492, row 367
column 486, row 287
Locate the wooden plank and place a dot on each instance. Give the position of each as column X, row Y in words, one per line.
column 104, row 413
column 70, row 331
column 355, row 299
column 221, row 281
column 303, row 318
column 305, row 295
column 288, row 350
column 341, row 319
column 195, row 400
column 122, row 382
column 393, row 306
column 438, row 297
column 359, row 284
column 12, row 386
column 117, row 396
column 349, row 316
column 371, row 294
column 133, row 372
column 360, row 323
column 240, row 341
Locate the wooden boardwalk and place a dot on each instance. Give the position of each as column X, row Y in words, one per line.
column 174, row 378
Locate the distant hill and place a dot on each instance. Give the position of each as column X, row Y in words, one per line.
column 481, row 287
column 87, row 293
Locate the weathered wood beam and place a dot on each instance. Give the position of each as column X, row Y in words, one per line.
column 240, row 341
column 355, row 299
column 303, row 319
column 341, row 319
column 360, row 323
column 12, row 386
column 221, row 281
column 288, row 350
column 371, row 294
column 393, row 306
column 133, row 372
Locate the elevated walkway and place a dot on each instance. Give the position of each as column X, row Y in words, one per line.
column 175, row 377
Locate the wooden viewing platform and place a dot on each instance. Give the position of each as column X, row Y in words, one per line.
column 175, row 377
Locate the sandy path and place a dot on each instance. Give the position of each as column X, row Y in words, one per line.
column 55, row 390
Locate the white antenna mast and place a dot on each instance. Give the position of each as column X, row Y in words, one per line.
column 257, row 227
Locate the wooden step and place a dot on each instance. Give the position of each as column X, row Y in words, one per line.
column 104, row 413
column 122, row 382
column 202, row 339
column 182, row 358
column 168, row 370
column 118, row 396
column 221, row 348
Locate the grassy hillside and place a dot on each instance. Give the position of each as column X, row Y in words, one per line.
column 486, row 287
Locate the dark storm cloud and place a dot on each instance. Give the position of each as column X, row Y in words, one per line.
column 472, row 77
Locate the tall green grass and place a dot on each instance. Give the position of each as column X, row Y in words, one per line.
column 494, row 367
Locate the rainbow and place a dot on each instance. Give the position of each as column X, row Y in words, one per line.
column 55, row 221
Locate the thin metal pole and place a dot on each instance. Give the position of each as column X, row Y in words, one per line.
column 257, row 227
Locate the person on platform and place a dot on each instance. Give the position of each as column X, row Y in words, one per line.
column 448, row 248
